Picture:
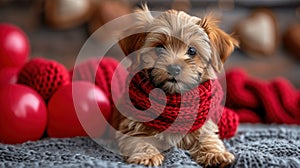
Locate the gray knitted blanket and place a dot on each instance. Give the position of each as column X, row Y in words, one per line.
column 253, row 146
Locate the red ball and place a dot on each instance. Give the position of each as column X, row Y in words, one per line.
column 8, row 76
column 44, row 76
column 78, row 109
column 23, row 114
column 14, row 46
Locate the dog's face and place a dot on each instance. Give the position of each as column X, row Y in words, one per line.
column 176, row 50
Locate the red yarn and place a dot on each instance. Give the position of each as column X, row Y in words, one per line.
column 177, row 113
column 276, row 101
column 44, row 76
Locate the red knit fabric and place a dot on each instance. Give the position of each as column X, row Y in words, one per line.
column 275, row 101
column 177, row 113
column 44, row 76
column 101, row 73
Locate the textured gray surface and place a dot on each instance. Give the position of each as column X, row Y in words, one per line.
column 253, row 146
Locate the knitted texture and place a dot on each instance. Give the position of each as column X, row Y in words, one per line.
column 253, row 146
column 177, row 113
column 275, row 101
column 44, row 76
column 101, row 74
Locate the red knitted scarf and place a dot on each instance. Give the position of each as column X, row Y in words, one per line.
column 174, row 113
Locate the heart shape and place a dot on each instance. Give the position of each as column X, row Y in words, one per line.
column 44, row 76
column 291, row 40
column 258, row 33
column 67, row 13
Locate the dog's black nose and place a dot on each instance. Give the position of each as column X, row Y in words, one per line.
column 174, row 69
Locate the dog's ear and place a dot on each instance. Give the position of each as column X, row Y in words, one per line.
column 135, row 35
column 222, row 43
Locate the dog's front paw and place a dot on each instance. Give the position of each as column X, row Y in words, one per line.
column 147, row 159
column 218, row 159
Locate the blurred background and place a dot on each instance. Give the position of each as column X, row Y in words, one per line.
column 269, row 30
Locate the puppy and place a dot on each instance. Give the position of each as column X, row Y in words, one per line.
column 177, row 52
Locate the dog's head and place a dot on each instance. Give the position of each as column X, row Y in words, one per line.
column 178, row 51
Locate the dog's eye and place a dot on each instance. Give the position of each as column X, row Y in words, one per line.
column 192, row 51
column 159, row 49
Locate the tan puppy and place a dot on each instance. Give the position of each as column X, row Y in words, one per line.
column 178, row 52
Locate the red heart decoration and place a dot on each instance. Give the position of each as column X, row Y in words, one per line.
column 44, row 76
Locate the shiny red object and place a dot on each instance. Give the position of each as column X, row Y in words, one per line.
column 8, row 76
column 23, row 114
column 78, row 109
column 14, row 46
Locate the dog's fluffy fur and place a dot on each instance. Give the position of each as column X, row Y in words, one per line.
column 198, row 48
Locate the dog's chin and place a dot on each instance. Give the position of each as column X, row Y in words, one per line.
column 172, row 84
